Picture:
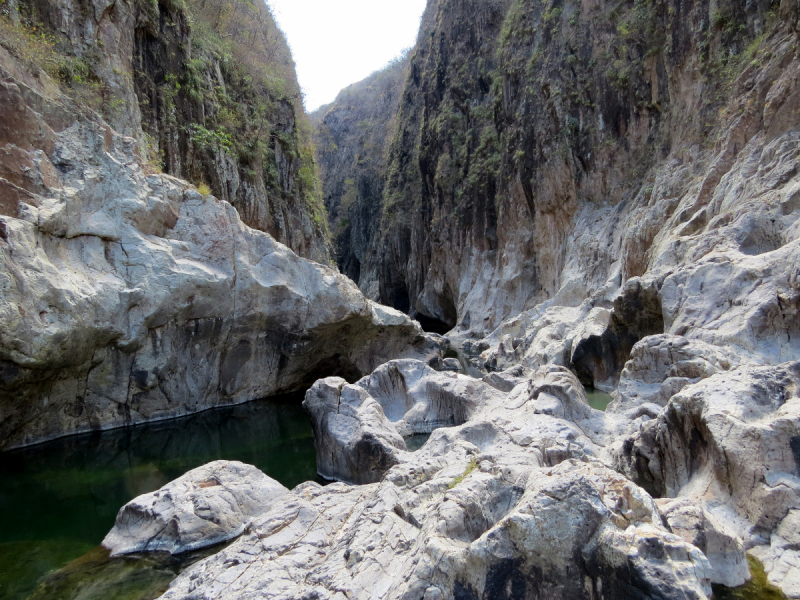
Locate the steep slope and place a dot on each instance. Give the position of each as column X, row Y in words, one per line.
column 352, row 142
column 129, row 296
column 208, row 88
column 549, row 151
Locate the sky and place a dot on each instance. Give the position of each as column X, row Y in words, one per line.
column 339, row 42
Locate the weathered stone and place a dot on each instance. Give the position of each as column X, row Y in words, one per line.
column 206, row 506
column 781, row 558
column 724, row 549
column 359, row 428
column 127, row 298
column 662, row 365
column 730, row 442
column 474, row 521
column 452, row 364
column 603, row 341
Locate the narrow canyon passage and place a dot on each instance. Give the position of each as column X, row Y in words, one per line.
column 516, row 316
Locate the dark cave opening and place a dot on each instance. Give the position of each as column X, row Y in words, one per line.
column 434, row 325
column 600, row 358
column 332, row 366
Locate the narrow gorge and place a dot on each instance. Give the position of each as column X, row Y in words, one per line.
column 536, row 285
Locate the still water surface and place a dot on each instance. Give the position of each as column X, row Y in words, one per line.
column 597, row 399
column 59, row 499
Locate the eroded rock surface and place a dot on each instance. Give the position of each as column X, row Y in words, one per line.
column 206, row 506
column 483, row 518
column 128, row 297
column 359, row 428
column 535, row 491
column 729, row 443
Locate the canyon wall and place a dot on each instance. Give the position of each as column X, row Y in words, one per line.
column 549, row 152
column 352, row 143
column 128, row 294
column 208, row 89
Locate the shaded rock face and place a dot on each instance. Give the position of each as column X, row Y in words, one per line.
column 352, row 143
column 129, row 297
column 549, row 153
column 599, row 352
column 210, row 93
column 206, row 506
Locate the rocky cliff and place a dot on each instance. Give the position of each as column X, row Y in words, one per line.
column 587, row 194
column 128, row 295
column 208, row 88
column 603, row 193
column 352, row 143
column 546, row 152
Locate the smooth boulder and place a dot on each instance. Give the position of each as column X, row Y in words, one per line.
column 208, row 505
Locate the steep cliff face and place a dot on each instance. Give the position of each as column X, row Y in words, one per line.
column 352, row 142
column 208, row 88
column 127, row 296
column 221, row 104
column 550, row 151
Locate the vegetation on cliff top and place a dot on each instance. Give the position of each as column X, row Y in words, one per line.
column 217, row 92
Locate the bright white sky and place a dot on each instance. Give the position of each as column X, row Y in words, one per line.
column 339, row 42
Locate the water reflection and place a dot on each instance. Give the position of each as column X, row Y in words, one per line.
column 59, row 499
column 416, row 441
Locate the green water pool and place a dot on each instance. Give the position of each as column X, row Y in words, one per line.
column 597, row 399
column 59, row 499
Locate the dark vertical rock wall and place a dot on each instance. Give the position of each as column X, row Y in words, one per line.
column 352, row 142
column 524, row 124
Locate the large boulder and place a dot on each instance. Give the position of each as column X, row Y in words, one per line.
column 359, row 428
column 206, row 506
column 128, row 297
column 354, row 440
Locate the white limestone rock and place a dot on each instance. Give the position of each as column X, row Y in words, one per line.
column 479, row 519
column 359, row 428
column 662, row 365
column 208, row 505
column 731, row 443
column 722, row 547
column 127, row 297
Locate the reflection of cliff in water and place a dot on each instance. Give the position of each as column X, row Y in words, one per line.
column 65, row 494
